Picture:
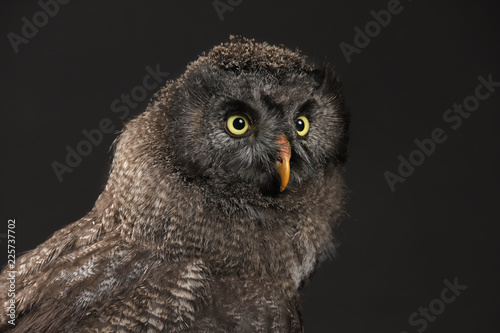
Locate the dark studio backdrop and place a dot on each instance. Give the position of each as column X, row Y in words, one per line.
column 420, row 251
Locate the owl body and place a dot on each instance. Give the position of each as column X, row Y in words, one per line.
column 198, row 228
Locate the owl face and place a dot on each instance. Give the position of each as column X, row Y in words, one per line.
column 252, row 127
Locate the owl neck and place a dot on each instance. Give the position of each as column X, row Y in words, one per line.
column 181, row 220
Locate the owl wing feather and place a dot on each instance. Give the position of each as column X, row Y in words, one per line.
column 69, row 284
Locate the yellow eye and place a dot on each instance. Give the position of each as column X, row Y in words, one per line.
column 302, row 125
column 237, row 125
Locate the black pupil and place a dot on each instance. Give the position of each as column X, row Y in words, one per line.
column 239, row 124
column 300, row 125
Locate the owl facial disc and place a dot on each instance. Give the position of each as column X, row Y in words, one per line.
column 283, row 161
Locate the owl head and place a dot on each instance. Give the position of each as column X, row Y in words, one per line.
column 249, row 115
column 246, row 123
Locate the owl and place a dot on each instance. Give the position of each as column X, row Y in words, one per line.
column 223, row 198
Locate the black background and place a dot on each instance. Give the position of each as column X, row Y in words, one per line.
column 397, row 248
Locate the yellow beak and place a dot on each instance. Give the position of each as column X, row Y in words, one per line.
column 283, row 161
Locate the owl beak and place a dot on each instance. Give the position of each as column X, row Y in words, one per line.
column 283, row 161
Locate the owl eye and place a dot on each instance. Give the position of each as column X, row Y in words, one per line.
column 302, row 125
column 237, row 125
